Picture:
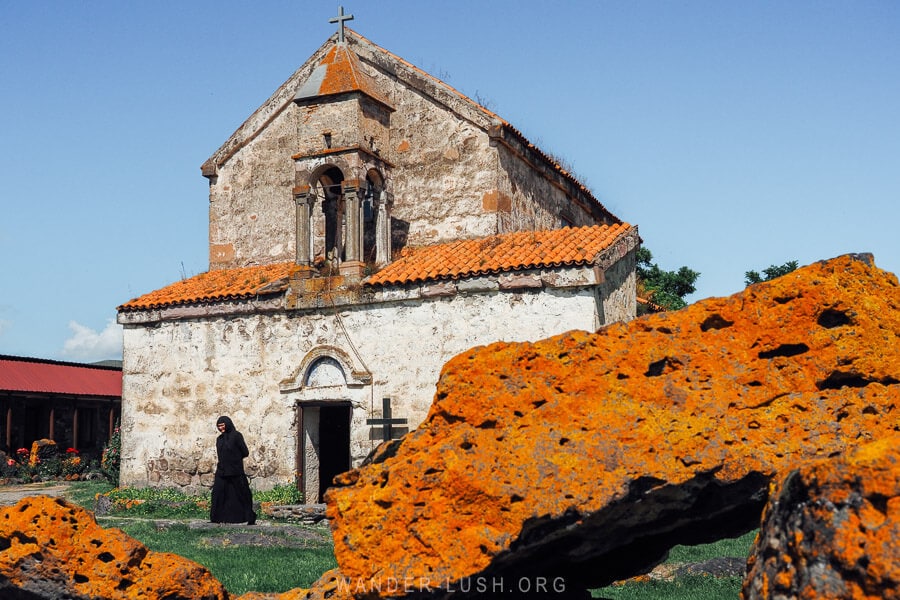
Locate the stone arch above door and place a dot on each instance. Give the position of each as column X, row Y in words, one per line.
column 322, row 365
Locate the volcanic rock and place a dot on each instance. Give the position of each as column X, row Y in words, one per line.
column 581, row 459
column 831, row 528
column 42, row 450
column 51, row 549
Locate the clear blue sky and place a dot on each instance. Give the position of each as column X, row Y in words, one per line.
column 736, row 135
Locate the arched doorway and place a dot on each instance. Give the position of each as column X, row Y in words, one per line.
column 324, row 432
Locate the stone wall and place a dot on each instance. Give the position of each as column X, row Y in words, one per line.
column 254, row 367
column 451, row 176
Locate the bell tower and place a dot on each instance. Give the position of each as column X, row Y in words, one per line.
column 341, row 178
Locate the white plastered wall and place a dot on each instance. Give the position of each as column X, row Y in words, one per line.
column 179, row 376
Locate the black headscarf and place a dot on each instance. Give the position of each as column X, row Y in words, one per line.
column 229, row 426
column 231, row 450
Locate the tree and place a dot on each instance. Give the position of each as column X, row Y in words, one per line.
column 771, row 272
column 666, row 289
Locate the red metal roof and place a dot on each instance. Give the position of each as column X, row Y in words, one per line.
column 34, row 375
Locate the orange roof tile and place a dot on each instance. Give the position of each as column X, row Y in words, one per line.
column 499, row 253
column 219, row 285
column 463, row 258
column 339, row 73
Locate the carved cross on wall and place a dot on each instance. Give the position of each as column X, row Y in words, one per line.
column 340, row 21
column 387, row 433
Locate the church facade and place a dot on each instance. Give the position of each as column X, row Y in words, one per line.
column 367, row 223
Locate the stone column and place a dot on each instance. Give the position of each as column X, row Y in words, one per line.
column 352, row 207
column 353, row 266
column 382, row 231
column 303, row 200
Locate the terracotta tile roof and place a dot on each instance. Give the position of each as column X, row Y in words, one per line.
column 219, row 285
column 651, row 306
column 33, row 375
column 499, row 253
column 339, row 73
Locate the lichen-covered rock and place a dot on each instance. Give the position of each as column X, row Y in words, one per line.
column 583, row 458
column 831, row 530
column 42, row 450
column 51, row 549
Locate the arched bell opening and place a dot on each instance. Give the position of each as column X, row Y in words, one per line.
column 372, row 199
column 329, row 221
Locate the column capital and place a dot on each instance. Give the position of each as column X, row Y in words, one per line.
column 351, row 185
column 304, row 198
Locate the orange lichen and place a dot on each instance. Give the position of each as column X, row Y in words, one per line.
column 831, row 528
column 343, row 74
column 60, row 549
column 569, row 432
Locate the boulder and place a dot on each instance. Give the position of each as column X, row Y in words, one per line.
column 831, row 528
column 42, row 450
column 52, row 549
column 580, row 460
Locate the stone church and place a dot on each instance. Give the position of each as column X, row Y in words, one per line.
column 366, row 223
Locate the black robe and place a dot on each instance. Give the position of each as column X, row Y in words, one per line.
column 232, row 500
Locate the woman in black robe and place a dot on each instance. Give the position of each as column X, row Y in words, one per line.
column 232, row 501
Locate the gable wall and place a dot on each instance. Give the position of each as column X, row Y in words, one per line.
column 535, row 202
column 520, row 187
column 251, row 208
column 179, row 376
column 443, row 168
column 448, row 179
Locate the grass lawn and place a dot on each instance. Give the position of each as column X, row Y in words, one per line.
column 260, row 558
column 275, row 557
column 268, row 557
column 688, row 587
column 692, row 587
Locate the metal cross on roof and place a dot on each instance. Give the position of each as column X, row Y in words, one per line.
column 340, row 21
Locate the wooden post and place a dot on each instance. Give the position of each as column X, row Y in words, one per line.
column 75, row 427
column 51, row 428
column 9, row 416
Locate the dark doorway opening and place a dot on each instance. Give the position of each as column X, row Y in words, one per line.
column 334, row 444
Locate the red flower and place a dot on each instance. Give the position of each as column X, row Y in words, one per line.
column 71, row 451
column 23, row 451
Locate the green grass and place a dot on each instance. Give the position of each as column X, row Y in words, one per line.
column 243, row 568
column 739, row 546
column 283, row 563
column 165, row 503
column 691, row 587
column 298, row 562
column 83, row 493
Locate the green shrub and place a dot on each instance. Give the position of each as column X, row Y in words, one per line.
column 174, row 503
column 159, row 503
column 112, row 456
column 283, row 493
column 47, row 469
